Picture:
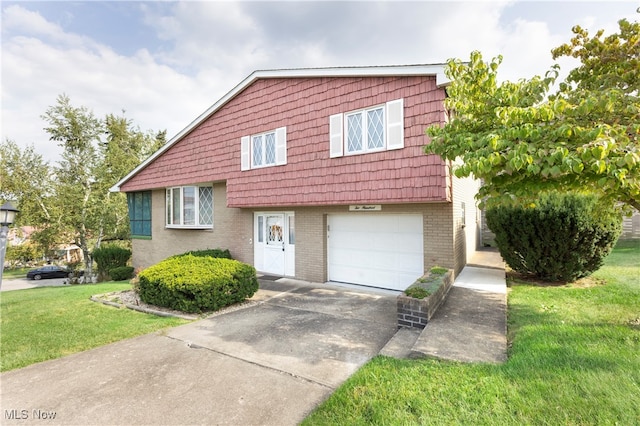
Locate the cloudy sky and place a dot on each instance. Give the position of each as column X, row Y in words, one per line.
column 164, row 62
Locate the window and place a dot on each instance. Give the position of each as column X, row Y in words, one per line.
column 365, row 130
column 372, row 129
column 264, row 150
column 139, row 204
column 190, row 207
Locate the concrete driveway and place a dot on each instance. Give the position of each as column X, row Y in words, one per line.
column 23, row 283
column 269, row 363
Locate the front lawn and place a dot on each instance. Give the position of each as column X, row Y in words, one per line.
column 50, row 322
column 574, row 359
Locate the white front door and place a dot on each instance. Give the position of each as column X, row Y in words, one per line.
column 274, row 247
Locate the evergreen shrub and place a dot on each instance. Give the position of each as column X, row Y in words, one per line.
column 192, row 283
column 121, row 273
column 217, row 253
column 110, row 256
column 561, row 237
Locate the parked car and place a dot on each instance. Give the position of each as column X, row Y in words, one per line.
column 48, row 271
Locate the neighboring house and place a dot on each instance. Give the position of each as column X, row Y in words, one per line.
column 317, row 174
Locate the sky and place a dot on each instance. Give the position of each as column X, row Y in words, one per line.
column 163, row 63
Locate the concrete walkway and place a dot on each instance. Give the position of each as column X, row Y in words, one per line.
column 471, row 325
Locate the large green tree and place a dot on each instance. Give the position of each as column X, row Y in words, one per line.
column 70, row 201
column 77, row 131
column 522, row 138
column 96, row 154
column 26, row 178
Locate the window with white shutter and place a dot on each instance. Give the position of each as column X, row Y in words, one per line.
column 264, row 150
column 372, row 129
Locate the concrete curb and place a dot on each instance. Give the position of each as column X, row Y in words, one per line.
column 97, row 299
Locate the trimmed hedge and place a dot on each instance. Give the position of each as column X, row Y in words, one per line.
column 561, row 237
column 121, row 273
column 216, row 253
column 192, row 283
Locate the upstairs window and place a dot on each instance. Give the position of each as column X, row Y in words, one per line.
column 372, row 129
column 189, row 207
column 264, row 149
column 139, row 204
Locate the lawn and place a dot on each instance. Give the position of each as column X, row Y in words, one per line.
column 50, row 322
column 574, row 359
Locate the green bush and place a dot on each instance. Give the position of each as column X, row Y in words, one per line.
column 191, row 283
column 561, row 237
column 216, row 253
column 121, row 273
column 109, row 257
column 417, row 292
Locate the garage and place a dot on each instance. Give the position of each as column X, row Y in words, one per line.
column 375, row 249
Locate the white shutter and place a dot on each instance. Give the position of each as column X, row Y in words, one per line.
column 335, row 136
column 245, row 164
column 281, row 146
column 395, row 124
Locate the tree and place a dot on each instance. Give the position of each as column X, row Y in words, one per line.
column 521, row 139
column 123, row 148
column 96, row 155
column 77, row 131
column 27, row 179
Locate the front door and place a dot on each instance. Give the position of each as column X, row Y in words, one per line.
column 275, row 243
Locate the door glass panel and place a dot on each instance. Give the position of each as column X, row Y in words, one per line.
column 274, row 230
column 292, row 230
column 261, row 229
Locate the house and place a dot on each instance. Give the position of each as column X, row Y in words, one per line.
column 316, row 174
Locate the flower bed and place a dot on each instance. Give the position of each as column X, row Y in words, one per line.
column 419, row 302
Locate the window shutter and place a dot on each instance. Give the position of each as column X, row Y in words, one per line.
column 395, row 124
column 335, row 136
column 281, row 146
column 244, row 153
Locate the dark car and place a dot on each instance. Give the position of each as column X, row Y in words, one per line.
column 48, row 271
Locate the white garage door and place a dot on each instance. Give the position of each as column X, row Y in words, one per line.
column 377, row 250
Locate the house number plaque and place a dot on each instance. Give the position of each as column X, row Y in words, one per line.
column 365, row 208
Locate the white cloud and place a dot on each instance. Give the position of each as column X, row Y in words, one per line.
column 35, row 71
column 203, row 49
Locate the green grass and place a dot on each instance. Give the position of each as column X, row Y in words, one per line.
column 574, row 359
column 15, row 273
column 51, row 322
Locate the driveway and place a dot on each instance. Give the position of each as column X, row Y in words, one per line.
column 269, row 363
column 23, row 283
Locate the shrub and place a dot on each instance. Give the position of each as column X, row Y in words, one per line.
column 109, row 257
column 562, row 237
column 216, row 253
column 121, row 273
column 191, row 283
column 438, row 270
column 417, row 292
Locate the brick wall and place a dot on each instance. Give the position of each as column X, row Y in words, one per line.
column 233, row 230
column 311, row 238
